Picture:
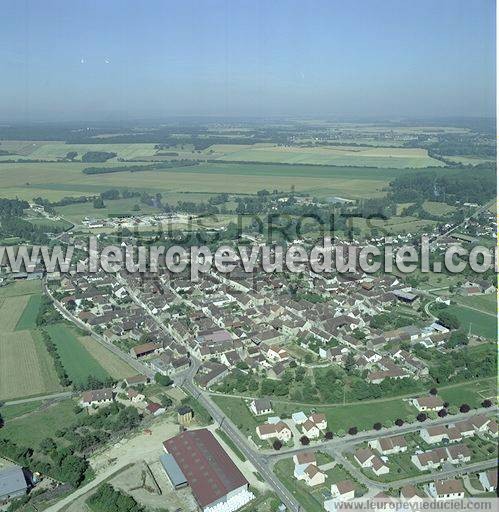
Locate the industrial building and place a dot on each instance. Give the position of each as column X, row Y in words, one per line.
column 215, row 481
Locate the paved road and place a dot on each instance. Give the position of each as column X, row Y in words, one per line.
column 441, row 474
column 259, row 461
column 368, row 435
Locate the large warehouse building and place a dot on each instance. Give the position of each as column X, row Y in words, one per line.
column 216, row 482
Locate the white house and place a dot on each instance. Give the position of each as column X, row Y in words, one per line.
column 379, row 467
column 97, row 397
column 446, row 489
column 319, row 419
column 488, row 479
column 343, row 490
column 389, row 445
column 314, row 476
column 458, row 454
column 432, row 459
column 302, row 460
column 364, row 457
column 428, row 403
column 310, row 429
column 434, row 435
column 260, row 407
column 278, row 430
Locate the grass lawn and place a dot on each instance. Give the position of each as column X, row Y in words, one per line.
column 472, row 393
column 28, row 317
column 9, row 412
column 238, row 412
column 77, row 360
column 486, row 303
column 112, row 364
column 361, row 415
column 31, row 429
column 201, row 415
column 481, row 324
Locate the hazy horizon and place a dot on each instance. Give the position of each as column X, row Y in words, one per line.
column 88, row 60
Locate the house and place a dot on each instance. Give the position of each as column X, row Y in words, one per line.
column 136, row 380
column 480, row 422
column 492, row 428
column 155, row 409
column 458, row 454
column 319, row 419
column 465, row 428
column 488, row 479
column 428, row 403
column 432, row 459
column 261, row 407
column 215, row 481
column 134, row 395
column 12, row 483
column 452, row 489
column 97, row 397
column 378, row 466
column 276, row 354
column 276, row 430
column 389, row 445
column 144, row 350
column 310, row 429
column 434, row 435
column 343, row 490
column 302, row 460
column 313, row 476
column 364, row 457
column 411, row 493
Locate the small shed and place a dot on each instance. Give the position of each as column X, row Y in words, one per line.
column 173, row 471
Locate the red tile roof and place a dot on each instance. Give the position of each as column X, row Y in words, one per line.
column 209, row 470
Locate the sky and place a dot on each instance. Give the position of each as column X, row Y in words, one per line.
column 128, row 59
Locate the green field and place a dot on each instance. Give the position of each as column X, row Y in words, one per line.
column 110, row 362
column 29, row 430
column 75, row 212
column 28, row 317
column 480, row 324
column 436, row 208
column 486, row 303
column 25, row 287
column 54, row 181
column 53, row 150
column 77, row 361
column 10, row 412
column 327, row 155
column 26, row 368
column 472, row 393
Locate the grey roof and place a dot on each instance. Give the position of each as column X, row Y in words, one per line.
column 12, row 481
column 173, row 470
